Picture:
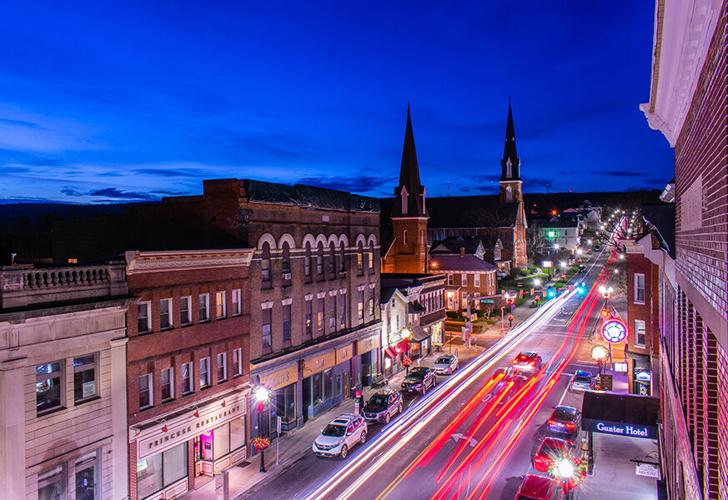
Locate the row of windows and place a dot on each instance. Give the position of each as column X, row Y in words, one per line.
column 478, row 278
column 53, row 483
column 336, row 261
column 184, row 318
column 167, row 380
column 332, row 319
column 433, row 301
column 50, row 383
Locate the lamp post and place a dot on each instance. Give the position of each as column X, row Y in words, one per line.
column 262, row 397
column 406, row 333
column 606, row 291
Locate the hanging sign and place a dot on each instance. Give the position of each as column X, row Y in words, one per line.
column 614, row 331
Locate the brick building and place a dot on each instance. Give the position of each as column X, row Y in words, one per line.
column 188, row 367
column 643, row 348
column 687, row 104
column 62, row 382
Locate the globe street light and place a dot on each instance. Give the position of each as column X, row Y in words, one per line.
column 589, row 242
column 556, row 246
column 536, row 282
column 262, row 397
column 563, row 264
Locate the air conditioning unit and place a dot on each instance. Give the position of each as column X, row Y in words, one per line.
column 286, row 276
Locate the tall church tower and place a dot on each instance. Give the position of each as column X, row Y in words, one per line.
column 408, row 253
column 511, row 185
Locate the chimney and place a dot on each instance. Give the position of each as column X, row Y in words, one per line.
column 462, row 251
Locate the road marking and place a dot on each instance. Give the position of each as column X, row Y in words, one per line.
column 566, row 390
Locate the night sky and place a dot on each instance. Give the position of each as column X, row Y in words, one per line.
column 127, row 103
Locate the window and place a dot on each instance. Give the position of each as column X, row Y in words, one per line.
column 449, row 279
column 370, row 256
column 228, row 437
column 146, row 392
column 309, row 317
column 204, row 372
column 320, row 259
column 639, row 288
column 52, row 484
column 265, row 264
column 144, row 316
column 342, row 258
column 237, row 301
column 640, row 339
column 371, row 304
column 286, row 262
column 266, row 332
column 161, row 470
column 48, row 387
column 220, row 305
column 360, row 259
column 167, row 384
column 404, row 237
column 165, row 314
column 307, row 261
column 463, row 279
column 221, row 367
column 84, row 378
column 188, row 372
column 332, row 259
column 185, row 310
column 342, row 314
column 204, row 303
column 332, row 318
column 237, row 362
column 360, row 305
column 476, row 280
column 320, row 315
column 287, row 323
column 86, row 474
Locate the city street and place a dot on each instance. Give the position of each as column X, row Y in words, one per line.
column 474, row 435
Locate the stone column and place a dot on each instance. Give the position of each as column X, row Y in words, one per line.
column 12, row 428
column 120, row 441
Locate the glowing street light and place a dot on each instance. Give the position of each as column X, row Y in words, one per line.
column 621, row 256
column 556, row 246
column 616, row 271
column 589, row 242
column 565, row 469
column 606, row 291
column 537, row 282
column 579, row 251
column 563, row 264
column 262, row 394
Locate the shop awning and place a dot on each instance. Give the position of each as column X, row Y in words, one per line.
column 620, row 414
column 419, row 334
column 390, row 352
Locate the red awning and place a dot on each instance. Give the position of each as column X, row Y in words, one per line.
column 390, row 352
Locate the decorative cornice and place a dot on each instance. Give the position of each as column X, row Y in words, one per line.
column 167, row 261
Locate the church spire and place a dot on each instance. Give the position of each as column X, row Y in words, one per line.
column 409, row 192
column 510, row 164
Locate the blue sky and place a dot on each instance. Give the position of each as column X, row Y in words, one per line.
column 136, row 100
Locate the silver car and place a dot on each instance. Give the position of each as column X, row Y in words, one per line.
column 581, row 381
column 445, row 364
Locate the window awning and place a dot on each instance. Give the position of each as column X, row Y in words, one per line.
column 620, row 414
column 391, row 353
column 419, row 334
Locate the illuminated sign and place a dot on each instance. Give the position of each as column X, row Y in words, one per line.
column 629, row 430
column 614, row 331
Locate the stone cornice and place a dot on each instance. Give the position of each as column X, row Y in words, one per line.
column 186, row 260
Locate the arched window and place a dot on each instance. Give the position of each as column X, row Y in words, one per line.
column 404, row 237
column 320, row 259
column 265, row 263
column 332, row 259
column 286, row 262
column 371, row 257
column 360, row 258
column 342, row 258
column 307, row 260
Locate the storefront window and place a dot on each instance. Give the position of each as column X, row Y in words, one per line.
column 86, row 477
column 161, row 470
column 328, row 384
column 316, row 389
column 237, row 434
column 285, row 401
column 221, row 443
column 52, row 484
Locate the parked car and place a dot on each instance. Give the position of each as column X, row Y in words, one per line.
column 341, row 435
column 382, row 406
column 446, row 364
column 581, row 381
column 551, row 450
column 529, row 362
column 419, row 379
column 535, row 487
column 565, row 420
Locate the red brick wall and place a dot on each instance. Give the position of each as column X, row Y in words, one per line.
column 638, row 264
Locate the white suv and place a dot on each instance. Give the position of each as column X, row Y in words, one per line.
column 340, row 435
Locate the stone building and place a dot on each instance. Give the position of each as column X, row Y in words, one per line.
column 187, row 367
column 62, row 382
column 687, row 104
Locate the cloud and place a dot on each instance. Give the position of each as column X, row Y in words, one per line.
column 622, row 173
column 111, row 194
column 19, row 123
column 354, row 184
column 486, row 178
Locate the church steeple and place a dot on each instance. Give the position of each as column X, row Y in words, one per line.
column 510, row 181
column 409, row 193
column 510, row 164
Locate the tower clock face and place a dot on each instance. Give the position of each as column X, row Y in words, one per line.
column 614, row 331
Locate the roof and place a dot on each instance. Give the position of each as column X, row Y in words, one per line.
column 453, row 245
column 471, row 211
column 409, row 177
column 308, row 196
column 461, row 263
column 561, row 222
column 386, row 294
column 662, row 220
column 415, row 307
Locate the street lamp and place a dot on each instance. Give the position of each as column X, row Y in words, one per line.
column 556, row 246
column 262, row 397
column 589, row 242
column 406, row 333
column 621, row 256
column 563, row 264
column 536, row 282
column 579, row 251
column 605, row 291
